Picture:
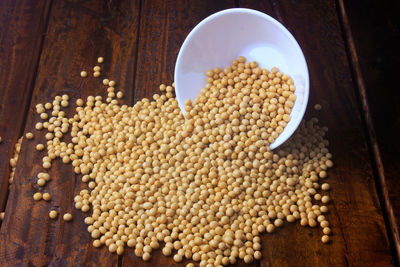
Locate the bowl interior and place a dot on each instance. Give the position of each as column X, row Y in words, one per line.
column 224, row 36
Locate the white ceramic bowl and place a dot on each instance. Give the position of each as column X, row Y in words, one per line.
column 224, row 36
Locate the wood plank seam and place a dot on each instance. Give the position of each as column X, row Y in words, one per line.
column 120, row 260
column 135, row 68
column 346, row 253
column 393, row 231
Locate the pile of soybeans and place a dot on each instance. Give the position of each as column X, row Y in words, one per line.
column 204, row 186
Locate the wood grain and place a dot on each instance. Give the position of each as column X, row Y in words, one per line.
column 359, row 233
column 22, row 25
column 373, row 67
column 78, row 32
column 140, row 40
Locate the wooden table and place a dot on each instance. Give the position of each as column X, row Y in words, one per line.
column 44, row 45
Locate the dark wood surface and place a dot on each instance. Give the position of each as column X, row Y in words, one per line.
column 22, row 27
column 45, row 44
column 375, row 58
